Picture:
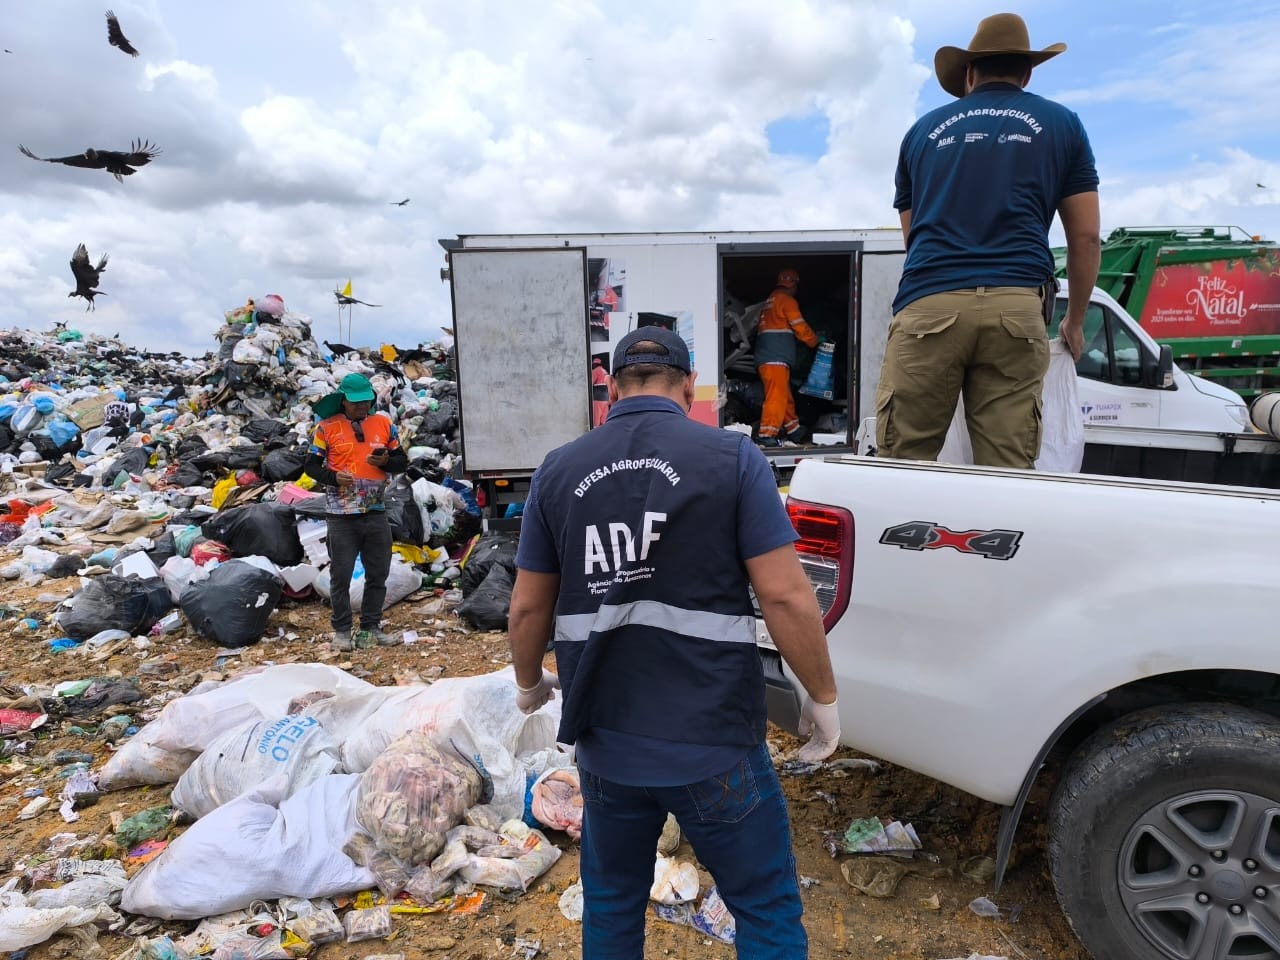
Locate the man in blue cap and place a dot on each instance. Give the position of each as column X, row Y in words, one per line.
column 352, row 452
column 639, row 543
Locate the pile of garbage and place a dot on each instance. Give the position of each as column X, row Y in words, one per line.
column 167, row 481
column 312, row 792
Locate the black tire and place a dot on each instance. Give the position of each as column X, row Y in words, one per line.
column 1172, row 802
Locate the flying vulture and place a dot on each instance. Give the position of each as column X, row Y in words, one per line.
column 346, row 301
column 398, row 203
column 116, row 37
column 118, row 163
column 86, row 275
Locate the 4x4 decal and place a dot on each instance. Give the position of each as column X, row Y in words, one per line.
column 922, row 535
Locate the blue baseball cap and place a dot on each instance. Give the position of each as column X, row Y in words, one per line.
column 674, row 352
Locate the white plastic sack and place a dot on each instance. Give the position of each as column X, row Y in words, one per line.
column 247, row 351
column 402, row 580
column 180, row 571
column 294, row 747
column 189, row 724
column 23, row 926
column 259, row 846
column 84, row 892
column 1062, row 443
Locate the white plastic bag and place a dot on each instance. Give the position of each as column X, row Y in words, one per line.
column 189, row 724
column 257, row 847
column 402, row 580
column 1062, row 442
column 23, row 926
column 295, row 747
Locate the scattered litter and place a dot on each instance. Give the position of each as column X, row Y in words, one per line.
column 874, row 876
column 571, row 902
column 807, row 882
column 712, row 917
column 872, row 835
column 984, row 908
column 978, row 869
column 371, row 924
column 674, row 881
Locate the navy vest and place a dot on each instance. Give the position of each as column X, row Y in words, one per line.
column 655, row 630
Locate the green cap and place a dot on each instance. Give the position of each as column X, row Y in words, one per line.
column 353, row 387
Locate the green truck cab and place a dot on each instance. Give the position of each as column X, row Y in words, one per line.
column 1211, row 293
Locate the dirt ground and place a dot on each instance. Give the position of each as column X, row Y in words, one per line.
column 927, row 918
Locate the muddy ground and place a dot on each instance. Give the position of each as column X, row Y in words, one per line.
column 927, row 918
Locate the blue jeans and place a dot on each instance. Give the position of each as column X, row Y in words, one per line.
column 738, row 826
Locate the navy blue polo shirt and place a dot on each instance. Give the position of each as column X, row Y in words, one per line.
column 763, row 526
column 983, row 177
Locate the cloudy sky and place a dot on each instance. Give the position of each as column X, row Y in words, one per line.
column 289, row 126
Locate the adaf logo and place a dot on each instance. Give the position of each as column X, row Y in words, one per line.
column 946, row 142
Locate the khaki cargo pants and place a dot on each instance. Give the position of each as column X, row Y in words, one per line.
column 988, row 344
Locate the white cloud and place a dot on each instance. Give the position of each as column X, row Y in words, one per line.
column 491, row 116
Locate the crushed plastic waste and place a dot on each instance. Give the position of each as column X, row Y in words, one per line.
column 873, row 835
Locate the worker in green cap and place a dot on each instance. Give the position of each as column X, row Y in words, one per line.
column 352, row 453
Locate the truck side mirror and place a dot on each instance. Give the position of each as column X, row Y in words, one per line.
column 1159, row 371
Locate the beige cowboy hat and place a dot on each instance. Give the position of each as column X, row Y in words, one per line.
column 999, row 33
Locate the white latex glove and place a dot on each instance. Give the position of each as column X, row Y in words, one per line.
column 530, row 699
column 821, row 723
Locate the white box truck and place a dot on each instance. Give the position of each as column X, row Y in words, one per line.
column 536, row 317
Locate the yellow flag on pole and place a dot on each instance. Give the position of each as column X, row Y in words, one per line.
column 346, row 291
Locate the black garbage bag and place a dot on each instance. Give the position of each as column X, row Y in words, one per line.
column 60, row 473
column 67, row 565
column 115, row 603
column 186, row 475
column 263, row 431
column 6, row 437
column 238, row 374
column 492, row 549
column 190, row 518
column 209, row 460
column 258, row 529
column 232, row 605
column 443, row 420
column 312, row 508
column 132, row 461
column 244, row 456
column 162, row 548
column 490, row 603
column 284, row 464
column 190, row 447
column 404, row 515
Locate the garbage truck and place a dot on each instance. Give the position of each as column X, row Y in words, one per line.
column 1212, row 294
column 536, row 317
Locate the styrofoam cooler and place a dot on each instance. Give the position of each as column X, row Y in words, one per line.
column 312, row 534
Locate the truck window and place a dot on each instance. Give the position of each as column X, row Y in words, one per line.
column 1128, row 355
column 1094, row 362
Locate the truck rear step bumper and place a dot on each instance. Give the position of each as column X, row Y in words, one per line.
column 781, row 698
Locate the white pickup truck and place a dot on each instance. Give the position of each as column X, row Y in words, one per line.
column 991, row 626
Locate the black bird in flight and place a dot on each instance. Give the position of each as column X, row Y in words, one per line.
column 346, row 301
column 116, row 37
column 119, row 163
column 86, row 275
column 399, row 203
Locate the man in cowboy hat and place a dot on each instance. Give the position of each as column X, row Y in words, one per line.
column 978, row 183
column 352, row 451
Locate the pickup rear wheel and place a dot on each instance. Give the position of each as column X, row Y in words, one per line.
column 1164, row 836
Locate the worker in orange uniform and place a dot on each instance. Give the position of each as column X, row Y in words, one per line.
column 599, row 392
column 780, row 325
